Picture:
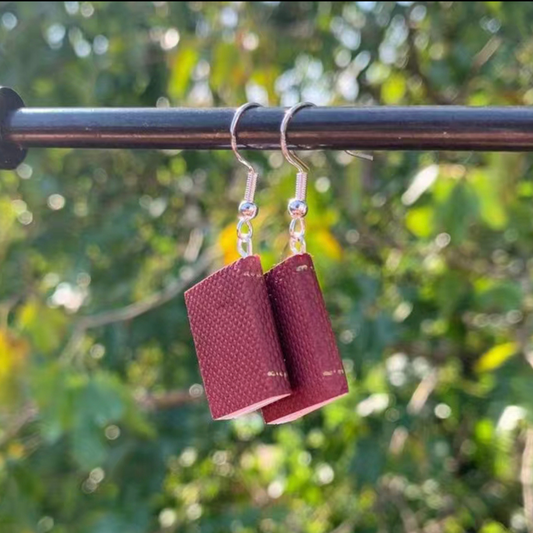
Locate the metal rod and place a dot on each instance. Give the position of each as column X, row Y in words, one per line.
column 335, row 128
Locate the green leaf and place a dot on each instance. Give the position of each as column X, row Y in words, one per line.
column 393, row 90
column 101, row 400
column 457, row 212
column 490, row 197
column 419, row 221
column 499, row 296
column 44, row 326
column 228, row 65
column 181, row 73
column 493, row 527
column 55, row 399
column 88, row 448
column 450, row 290
column 496, row 356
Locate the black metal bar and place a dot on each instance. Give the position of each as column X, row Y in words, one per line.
column 11, row 154
column 336, row 128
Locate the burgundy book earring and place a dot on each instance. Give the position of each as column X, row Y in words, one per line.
column 311, row 355
column 232, row 324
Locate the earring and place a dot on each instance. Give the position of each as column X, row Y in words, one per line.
column 232, row 323
column 313, row 362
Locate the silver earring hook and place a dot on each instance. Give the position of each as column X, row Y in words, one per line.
column 233, row 128
column 247, row 208
column 297, row 206
column 360, row 155
column 291, row 157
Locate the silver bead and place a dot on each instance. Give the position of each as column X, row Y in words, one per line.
column 297, row 208
column 248, row 210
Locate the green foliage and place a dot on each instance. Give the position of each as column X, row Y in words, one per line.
column 424, row 258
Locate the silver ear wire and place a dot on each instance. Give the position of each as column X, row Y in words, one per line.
column 360, row 155
column 297, row 206
column 247, row 208
column 232, row 130
column 291, row 157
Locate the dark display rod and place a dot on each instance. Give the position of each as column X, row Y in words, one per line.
column 314, row 128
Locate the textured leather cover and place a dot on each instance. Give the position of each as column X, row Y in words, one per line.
column 313, row 362
column 236, row 340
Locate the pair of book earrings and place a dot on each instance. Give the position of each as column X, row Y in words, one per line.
column 264, row 341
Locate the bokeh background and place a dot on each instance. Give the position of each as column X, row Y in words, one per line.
column 425, row 259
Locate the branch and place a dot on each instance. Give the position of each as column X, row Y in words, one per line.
column 151, row 402
column 422, row 393
column 28, row 414
column 131, row 311
column 168, row 400
column 156, row 299
column 482, row 57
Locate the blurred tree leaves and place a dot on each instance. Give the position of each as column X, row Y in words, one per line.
column 44, row 326
column 13, row 359
column 425, row 260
